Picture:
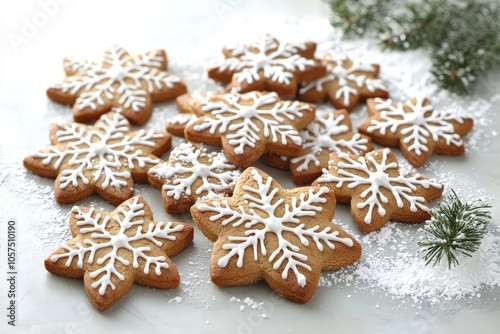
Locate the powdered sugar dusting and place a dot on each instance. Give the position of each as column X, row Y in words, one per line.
column 391, row 266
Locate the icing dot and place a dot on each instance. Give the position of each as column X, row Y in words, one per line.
column 120, row 240
column 99, row 148
column 115, row 72
column 381, row 179
column 202, row 170
column 273, row 226
column 261, row 60
column 339, row 72
column 416, row 118
column 248, row 112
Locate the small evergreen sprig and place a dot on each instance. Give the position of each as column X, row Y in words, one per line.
column 455, row 228
column 461, row 35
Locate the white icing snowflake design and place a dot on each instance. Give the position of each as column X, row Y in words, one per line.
column 181, row 119
column 321, row 135
column 104, row 245
column 185, row 167
column 276, row 61
column 261, row 214
column 356, row 172
column 104, row 150
column 348, row 80
column 244, row 125
column 417, row 127
column 117, row 79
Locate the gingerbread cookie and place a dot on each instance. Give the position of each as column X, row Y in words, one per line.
column 285, row 237
column 113, row 251
column 268, row 65
column 178, row 123
column 192, row 174
column 247, row 125
column 106, row 158
column 345, row 84
column 416, row 127
column 331, row 132
column 377, row 191
column 116, row 80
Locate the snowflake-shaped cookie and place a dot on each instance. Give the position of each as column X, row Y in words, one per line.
column 331, row 132
column 106, row 158
column 416, row 127
column 116, row 80
column 285, row 237
column 376, row 189
column 112, row 251
column 250, row 124
column 192, row 174
column 268, row 65
column 178, row 123
column 345, row 83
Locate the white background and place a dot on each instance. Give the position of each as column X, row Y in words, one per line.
column 34, row 39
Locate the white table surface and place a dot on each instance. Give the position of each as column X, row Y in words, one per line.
column 193, row 33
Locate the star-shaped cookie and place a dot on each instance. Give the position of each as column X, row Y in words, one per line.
column 178, row 123
column 345, row 83
column 331, row 132
column 191, row 174
column 416, row 127
column 113, row 251
column 285, row 237
column 106, row 158
column 377, row 190
column 116, row 80
column 268, row 65
column 247, row 125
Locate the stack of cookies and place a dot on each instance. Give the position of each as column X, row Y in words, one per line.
column 259, row 229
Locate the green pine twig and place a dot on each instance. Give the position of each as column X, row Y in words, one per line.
column 461, row 36
column 455, row 228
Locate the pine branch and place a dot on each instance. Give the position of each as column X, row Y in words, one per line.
column 356, row 17
column 461, row 36
column 455, row 228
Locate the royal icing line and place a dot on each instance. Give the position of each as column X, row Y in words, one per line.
column 181, row 119
column 96, row 225
column 239, row 122
column 217, row 174
column 346, row 78
column 377, row 177
column 117, row 74
column 102, row 156
column 416, row 126
column 320, row 135
column 277, row 61
column 261, row 218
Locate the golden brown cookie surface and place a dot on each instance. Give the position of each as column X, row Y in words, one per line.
column 178, row 123
column 285, row 237
column 116, row 80
column 416, row 127
column 268, row 65
column 106, row 158
column 112, row 251
column 377, row 191
column 345, row 83
column 331, row 132
column 191, row 174
column 247, row 125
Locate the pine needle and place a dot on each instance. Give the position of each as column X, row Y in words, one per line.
column 461, row 36
column 455, row 228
